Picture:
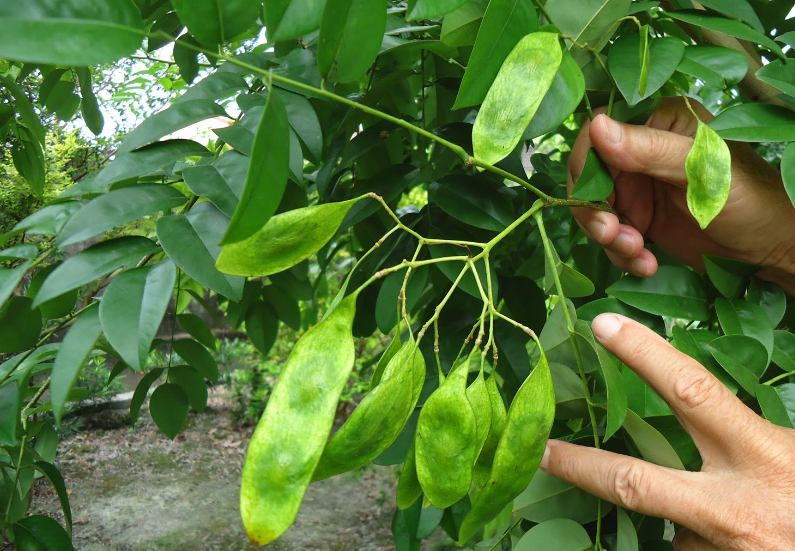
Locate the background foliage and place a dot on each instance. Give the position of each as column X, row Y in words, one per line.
column 107, row 231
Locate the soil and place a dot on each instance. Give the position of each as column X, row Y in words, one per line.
column 133, row 489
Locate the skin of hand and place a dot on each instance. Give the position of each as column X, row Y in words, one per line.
column 757, row 225
column 743, row 498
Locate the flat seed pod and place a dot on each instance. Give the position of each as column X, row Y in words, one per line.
column 377, row 421
column 482, row 469
column 513, row 99
column 445, row 442
column 283, row 242
column 709, row 175
column 289, row 439
column 478, row 396
column 408, row 488
column 519, row 451
column 385, row 358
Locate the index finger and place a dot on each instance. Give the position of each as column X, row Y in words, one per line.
column 708, row 410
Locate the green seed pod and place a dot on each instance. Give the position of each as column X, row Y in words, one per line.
column 390, row 351
column 445, row 441
column 408, row 488
column 519, row 451
column 498, row 415
column 478, row 396
column 378, row 420
column 289, row 439
column 524, row 79
column 709, row 175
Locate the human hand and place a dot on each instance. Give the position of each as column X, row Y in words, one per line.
column 744, row 497
column 757, row 225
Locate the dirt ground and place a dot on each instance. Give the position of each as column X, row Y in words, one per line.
column 134, row 490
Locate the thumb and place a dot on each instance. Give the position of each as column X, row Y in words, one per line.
column 630, row 148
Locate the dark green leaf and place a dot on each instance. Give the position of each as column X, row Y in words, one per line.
column 715, row 65
column 196, row 356
column 728, row 276
column 504, row 24
column 267, row 174
column 133, row 307
column 589, row 23
column 472, row 200
column 169, row 408
column 431, row 9
column 70, row 33
column 652, row 445
column 300, row 18
column 262, row 326
column 588, row 311
column 773, row 406
column 186, row 58
column 387, row 307
column 9, row 412
column 141, row 390
column 92, row 263
column 221, row 182
column 216, row 21
column 116, row 208
column 739, row 9
column 741, row 317
column 560, row 534
column 788, row 171
column 192, row 383
column 28, row 159
column 548, row 498
column 10, row 278
column 198, row 329
column 191, row 242
column 770, row 297
column 673, row 291
column 744, row 358
column 92, row 116
column 595, row 182
column 57, row 481
column 350, row 38
column 731, row 27
column 168, row 24
column 627, row 536
column 49, row 220
column 303, row 119
column 22, row 104
column 616, row 394
column 20, row 325
column 755, row 122
column 460, row 26
column 625, row 64
column 75, row 349
column 41, row 533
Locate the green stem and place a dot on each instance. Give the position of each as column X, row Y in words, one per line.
column 543, row 11
column 779, row 377
column 13, row 490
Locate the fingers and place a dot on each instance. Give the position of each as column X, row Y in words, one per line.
column 687, row 540
column 630, row 483
column 707, row 409
column 656, row 153
column 643, row 264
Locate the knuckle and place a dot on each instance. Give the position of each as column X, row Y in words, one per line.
column 641, row 350
column 695, row 390
column 628, row 483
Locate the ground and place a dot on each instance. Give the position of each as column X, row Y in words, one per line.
column 133, row 489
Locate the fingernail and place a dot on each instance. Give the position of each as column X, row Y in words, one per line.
column 545, row 459
column 605, row 326
column 597, row 229
column 614, row 131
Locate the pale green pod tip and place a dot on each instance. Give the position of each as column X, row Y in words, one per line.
column 708, row 169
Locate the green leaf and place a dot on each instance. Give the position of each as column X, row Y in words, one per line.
column 787, row 393
column 303, row 119
column 9, row 412
column 41, row 533
column 49, row 220
column 196, row 356
column 573, row 282
column 198, row 329
column 504, row 24
column 386, row 306
column 20, row 325
column 770, row 297
column 10, row 278
column 739, row 9
column 94, row 262
column 350, row 38
column 673, row 291
column 589, row 311
column 147, row 160
column 547, row 498
column 77, row 345
column 213, row 22
column 741, row 317
column 728, row 276
column 169, row 408
column 625, row 65
column 514, row 97
column 460, row 26
column 755, row 122
column 56, row 479
column 283, row 242
column 595, row 183
column 431, row 9
column 116, row 208
column 472, row 200
column 560, row 534
column 652, row 445
column 26, row 251
column 780, row 75
column 773, row 407
column 168, row 24
column 744, row 358
column 645, row 58
column 267, row 174
column 139, row 396
column 92, row 116
column 24, row 108
column 70, row 33
column 715, row 65
column 191, row 242
column 616, row 394
column 221, row 182
column 300, row 18
column 186, row 58
column 178, row 116
column 563, row 97
column 262, row 326
column 589, row 23
column 192, row 383
column 726, row 26
column 28, row 159
column 788, row 171
column 285, row 307
column 133, row 307
column 627, row 536
column 708, row 168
